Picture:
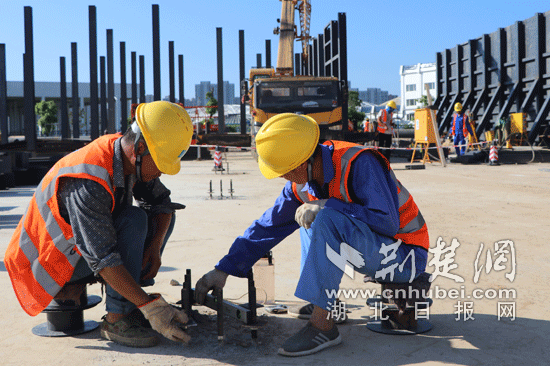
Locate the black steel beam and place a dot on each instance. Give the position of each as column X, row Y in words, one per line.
column 219, row 52
column 537, row 123
column 181, row 83
column 142, row 79
column 343, row 56
column 242, row 78
column 268, row 53
column 3, row 96
column 171, row 71
column 133, row 56
column 297, row 64
column 258, row 60
column 156, row 53
column 63, row 94
column 509, row 101
column 533, row 91
column 94, row 106
column 481, row 99
column 489, row 110
column 123, row 91
column 321, row 54
column 103, row 96
column 75, row 100
column 28, row 81
column 111, row 125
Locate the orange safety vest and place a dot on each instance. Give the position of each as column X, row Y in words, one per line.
column 42, row 254
column 385, row 125
column 412, row 227
column 464, row 127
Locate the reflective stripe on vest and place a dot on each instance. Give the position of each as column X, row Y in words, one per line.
column 412, row 227
column 42, row 253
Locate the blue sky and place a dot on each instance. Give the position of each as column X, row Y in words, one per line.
column 382, row 35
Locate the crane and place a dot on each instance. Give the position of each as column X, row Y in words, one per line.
column 271, row 91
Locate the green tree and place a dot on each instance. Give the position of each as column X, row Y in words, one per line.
column 353, row 104
column 47, row 110
column 211, row 102
column 423, row 101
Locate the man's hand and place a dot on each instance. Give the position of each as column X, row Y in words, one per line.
column 213, row 279
column 306, row 213
column 164, row 318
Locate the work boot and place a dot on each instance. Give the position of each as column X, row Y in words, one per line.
column 128, row 333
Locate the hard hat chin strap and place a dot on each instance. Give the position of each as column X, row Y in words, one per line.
column 310, row 167
column 137, row 131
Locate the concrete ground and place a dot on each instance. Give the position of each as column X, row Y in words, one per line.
column 474, row 205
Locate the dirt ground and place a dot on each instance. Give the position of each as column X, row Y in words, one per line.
column 469, row 206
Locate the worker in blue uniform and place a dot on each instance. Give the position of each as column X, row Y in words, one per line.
column 460, row 129
column 353, row 213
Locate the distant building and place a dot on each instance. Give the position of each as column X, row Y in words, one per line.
column 206, row 86
column 413, row 79
column 375, row 96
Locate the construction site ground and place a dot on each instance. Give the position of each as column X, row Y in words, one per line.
column 475, row 205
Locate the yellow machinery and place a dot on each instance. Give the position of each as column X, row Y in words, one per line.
column 423, row 133
column 517, row 127
column 273, row 91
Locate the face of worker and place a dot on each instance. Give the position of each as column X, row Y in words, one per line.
column 298, row 175
column 149, row 170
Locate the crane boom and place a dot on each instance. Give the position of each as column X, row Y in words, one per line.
column 285, row 54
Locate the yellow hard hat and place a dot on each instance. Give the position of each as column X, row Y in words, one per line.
column 167, row 130
column 458, row 107
column 284, row 142
column 392, row 104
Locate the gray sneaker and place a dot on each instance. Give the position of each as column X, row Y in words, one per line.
column 128, row 333
column 310, row 340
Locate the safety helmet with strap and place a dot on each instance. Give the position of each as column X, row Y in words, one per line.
column 284, row 142
column 392, row 104
column 167, row 130
column 458, row 107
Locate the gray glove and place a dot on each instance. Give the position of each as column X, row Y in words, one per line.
column 306, row 213
column 213, row 279
column 164, row 318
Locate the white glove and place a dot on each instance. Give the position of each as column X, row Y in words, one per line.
column 213, row 279
column 305, row 214
column 164, row 318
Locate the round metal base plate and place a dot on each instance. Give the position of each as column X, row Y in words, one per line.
column 43, row 331
column 423, row 326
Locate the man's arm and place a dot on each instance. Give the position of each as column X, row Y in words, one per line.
column 269, row 230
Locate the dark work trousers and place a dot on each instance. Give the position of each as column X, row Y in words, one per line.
column 384, row 141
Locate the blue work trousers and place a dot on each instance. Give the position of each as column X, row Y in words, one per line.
column 460, row 140
column 336, row 240
column 132, row 226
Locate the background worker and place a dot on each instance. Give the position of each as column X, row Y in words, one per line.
column 385, row 128
column 460, row 129
column 343, row 196
column 81, row 224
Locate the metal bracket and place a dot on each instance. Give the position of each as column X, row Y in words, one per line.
column 243, row 312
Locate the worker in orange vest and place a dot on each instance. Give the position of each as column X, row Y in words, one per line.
column 385, row 128
column 350, row 210
column 81, row 225
column 460, row 129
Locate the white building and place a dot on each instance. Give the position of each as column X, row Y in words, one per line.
column 413, row 79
